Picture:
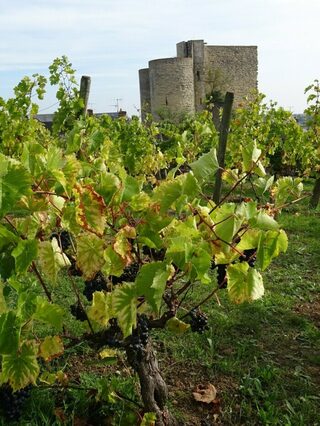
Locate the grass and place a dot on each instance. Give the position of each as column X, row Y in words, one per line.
column 263, row 358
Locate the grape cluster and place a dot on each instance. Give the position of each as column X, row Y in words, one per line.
column 113, row 334
column 63, row 238
column 77, row 311
column 129, row 274
column 199, row 321
column 98, row 283
column 249, row 256
column 12, row 403
column 221, row 276
column 138, row 340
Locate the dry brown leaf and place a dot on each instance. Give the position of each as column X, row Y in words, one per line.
column 205, row 393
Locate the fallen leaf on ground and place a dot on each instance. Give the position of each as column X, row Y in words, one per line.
column 205, row 393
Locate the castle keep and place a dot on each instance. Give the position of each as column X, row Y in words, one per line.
column 181, row 84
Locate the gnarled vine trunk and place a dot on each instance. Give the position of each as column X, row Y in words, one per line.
column 154, row 390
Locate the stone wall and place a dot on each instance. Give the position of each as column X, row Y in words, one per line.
column 180, row 85
column 232, row 68
column 171, row 86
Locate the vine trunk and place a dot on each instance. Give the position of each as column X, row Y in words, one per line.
column 154, row 391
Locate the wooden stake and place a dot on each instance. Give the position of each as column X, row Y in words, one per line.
column 223, row 137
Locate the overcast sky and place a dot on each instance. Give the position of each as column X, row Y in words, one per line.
column 112, row 40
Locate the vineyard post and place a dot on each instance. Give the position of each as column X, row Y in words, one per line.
column 85, row 91
column 223, row 137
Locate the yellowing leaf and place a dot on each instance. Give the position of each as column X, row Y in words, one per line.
column 21, row 368
column 101, row 309
column 51, row 259
column 51, row 347
column 124, row 303
column 108, row 353
column 122, row 246
column 90, row 258
column 244, row 283
column 177, row 326
column 90, row 209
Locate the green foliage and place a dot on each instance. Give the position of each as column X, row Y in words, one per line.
column 100, row 183
column 274, row 131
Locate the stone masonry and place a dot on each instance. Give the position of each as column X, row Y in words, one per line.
column 181, row 84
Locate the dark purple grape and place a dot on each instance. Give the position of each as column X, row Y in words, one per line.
column 77, row 311
column 199, row 321
column 63, row 238
column 249, row 256
column 129, row 274
column 12, row 403
column 222, row 276
column 98, row 283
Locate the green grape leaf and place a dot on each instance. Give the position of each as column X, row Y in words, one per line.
column 27, row 304
column 13, row 186
column 3, row 303
column 244, row 283
column 49, row 313
column 285, row 188
column 264, row 221
column 124, row 306
column 108, row 186
column 131, row 187
column 205, row 168
column 228, row 224
column 52, row 259
column 180, row 251
column 249, row 240
column 90, row 209
column 9, row 332
column 90, row 259
column 7, row 237
column 114, row 263
column 101, row 309
column 167, row 193
column 251, row 159
column 51, row 347
column 201, row 263
column 7, row 265
column 190, row 185
column 151, row 283
column 271, row 244
column 21, row 368
column 25, row 252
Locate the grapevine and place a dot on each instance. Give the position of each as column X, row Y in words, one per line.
column 86, row 208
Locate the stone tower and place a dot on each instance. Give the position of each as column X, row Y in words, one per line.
column 181, row 84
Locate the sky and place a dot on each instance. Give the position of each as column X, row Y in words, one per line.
column 111, row 40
